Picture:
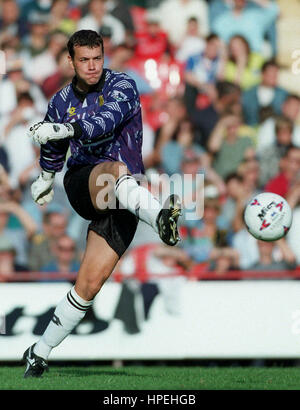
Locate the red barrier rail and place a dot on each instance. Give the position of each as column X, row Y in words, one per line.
column 140, row 256
column 144, row 276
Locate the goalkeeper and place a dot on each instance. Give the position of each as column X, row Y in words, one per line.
column 99, row 116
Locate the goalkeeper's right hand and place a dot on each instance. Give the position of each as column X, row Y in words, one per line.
column 42, row 188
column 44, row 131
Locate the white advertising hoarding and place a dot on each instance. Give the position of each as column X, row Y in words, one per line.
column 178, row 319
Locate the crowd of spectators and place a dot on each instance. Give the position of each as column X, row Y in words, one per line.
column 212, row 104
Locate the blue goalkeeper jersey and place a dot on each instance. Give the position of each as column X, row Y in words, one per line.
column 107, row 124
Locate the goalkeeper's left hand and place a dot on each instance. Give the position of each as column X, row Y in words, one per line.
column 42, row 132
column 42, row 188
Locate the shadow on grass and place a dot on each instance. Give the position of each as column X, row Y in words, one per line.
column 85, row 372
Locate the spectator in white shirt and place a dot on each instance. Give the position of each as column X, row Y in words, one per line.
column 266, row 133
column 15, row 84
column 193, row 42
column 43, row 65
column 174, row 15
column 18, row 146
column 98, row 17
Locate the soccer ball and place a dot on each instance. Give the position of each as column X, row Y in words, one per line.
column 268, row 217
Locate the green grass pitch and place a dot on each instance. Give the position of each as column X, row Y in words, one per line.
column 153, row 378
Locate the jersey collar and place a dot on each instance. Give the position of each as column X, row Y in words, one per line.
column 81, row 95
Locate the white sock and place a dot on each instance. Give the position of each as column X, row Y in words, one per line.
column 137, row 200
column 69, row 312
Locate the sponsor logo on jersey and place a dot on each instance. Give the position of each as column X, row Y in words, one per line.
column 72, row 111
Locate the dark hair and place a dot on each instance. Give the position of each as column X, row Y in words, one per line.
column 193, row 20
column 56, row 1
column 227, row 88
column 290, row 148
column 292, row 97
column 269, row 63
column 84, row 38
column 231, row 176
column 211, row 36
column 48, row 215
column 25, row 96
column 282, row 121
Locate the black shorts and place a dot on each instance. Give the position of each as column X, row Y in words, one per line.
column 116, row 226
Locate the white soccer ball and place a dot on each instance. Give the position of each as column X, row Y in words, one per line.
column 268, row 217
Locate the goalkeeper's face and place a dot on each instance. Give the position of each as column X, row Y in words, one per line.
column 88, row 65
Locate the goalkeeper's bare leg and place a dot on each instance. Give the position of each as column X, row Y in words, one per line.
column 137, row 199
column 98, row 262
column 100, row 258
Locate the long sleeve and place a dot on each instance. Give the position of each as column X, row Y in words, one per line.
column 53, row 154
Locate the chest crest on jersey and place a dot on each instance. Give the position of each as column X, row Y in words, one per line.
column 101, row 100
